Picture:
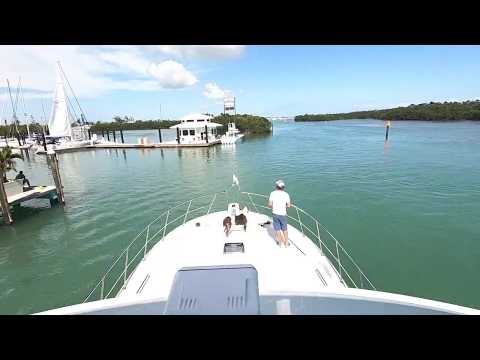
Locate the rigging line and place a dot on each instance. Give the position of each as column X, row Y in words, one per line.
column 44, row 115
column 68, row 109
column 11, row 99
column 18, row 91
column 22, row 97
column 73, row 92
column 12, row 126
column 74, row 112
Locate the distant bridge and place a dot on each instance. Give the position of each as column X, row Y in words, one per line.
column 279, row 118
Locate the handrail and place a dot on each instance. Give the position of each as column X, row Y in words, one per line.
column 321, row 243
column 164, row 220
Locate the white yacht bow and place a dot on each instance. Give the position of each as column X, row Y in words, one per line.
column 183, row 263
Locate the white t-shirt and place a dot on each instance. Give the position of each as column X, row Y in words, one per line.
column 279, row 199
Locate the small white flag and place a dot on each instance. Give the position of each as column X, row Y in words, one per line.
column 235, row 181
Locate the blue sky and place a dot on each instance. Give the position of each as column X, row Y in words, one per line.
column 266, row 80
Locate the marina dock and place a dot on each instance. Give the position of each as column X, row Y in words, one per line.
column 14, row 192
column 138, row 146
column 38, row 192
column 154, row 145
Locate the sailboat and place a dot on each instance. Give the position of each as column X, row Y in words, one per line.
column 62, row 136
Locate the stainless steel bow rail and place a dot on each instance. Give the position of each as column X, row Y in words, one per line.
column 323, row 239
column 118, row 274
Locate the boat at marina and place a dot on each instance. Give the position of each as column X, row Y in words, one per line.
column 196, row 129
column 62, row 136
column 184, row 262
column 232, row 134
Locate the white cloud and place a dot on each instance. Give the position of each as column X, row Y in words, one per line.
column 202, row 51
column 172, row 75
column 124, row 60
column 213, row 91
column 5, row 96
column 91, row 70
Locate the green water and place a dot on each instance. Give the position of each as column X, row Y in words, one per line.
column 408, row 213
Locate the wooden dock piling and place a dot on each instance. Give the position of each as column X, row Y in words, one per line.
column 114, row 136
column 7, row 216
column 108, row 135
column 56, row 176
column 44, row 142
column 160, row 135
column 121, row 135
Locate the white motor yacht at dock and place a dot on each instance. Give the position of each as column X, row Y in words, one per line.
column 196, row 129
column 184, row 263
column 232, row 135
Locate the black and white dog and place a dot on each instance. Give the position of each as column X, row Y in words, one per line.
column 239, row 220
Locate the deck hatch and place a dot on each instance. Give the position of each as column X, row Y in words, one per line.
column 233, row 248
column 210, row 290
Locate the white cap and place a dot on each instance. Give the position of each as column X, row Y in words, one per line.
column 280, row 183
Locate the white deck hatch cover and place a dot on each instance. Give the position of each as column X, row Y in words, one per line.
column 214, row 290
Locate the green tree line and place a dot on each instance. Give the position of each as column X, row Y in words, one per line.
column 248, row 124
column 137, row 125
column 245, row 123
column 22, row 129
column 433, row 111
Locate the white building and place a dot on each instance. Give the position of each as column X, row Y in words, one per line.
column 196, row 129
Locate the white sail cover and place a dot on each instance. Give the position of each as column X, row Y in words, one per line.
column 60, row 120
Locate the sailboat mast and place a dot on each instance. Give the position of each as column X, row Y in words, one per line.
column 13, row 106
column 22, row 97
column 44, row 118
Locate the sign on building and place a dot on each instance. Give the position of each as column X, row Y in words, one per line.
column 229, row 105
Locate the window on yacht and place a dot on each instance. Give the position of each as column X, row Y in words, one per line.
column 185, row 133
column 192, row 132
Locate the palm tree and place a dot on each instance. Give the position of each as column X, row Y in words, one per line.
column 7, row 163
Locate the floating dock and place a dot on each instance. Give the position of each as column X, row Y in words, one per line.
column 37, row 192
column 14, row 193
column 138, row 146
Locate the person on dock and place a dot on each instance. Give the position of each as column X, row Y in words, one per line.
column 279, row 201
column 21, row 176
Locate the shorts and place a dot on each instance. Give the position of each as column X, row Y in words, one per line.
column 279, row 222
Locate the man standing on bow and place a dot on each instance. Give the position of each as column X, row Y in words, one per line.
column 279, row 201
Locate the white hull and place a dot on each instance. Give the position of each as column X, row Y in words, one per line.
column 39, row 149
column 279, row 268
column 230, row 139
column 300, row 279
